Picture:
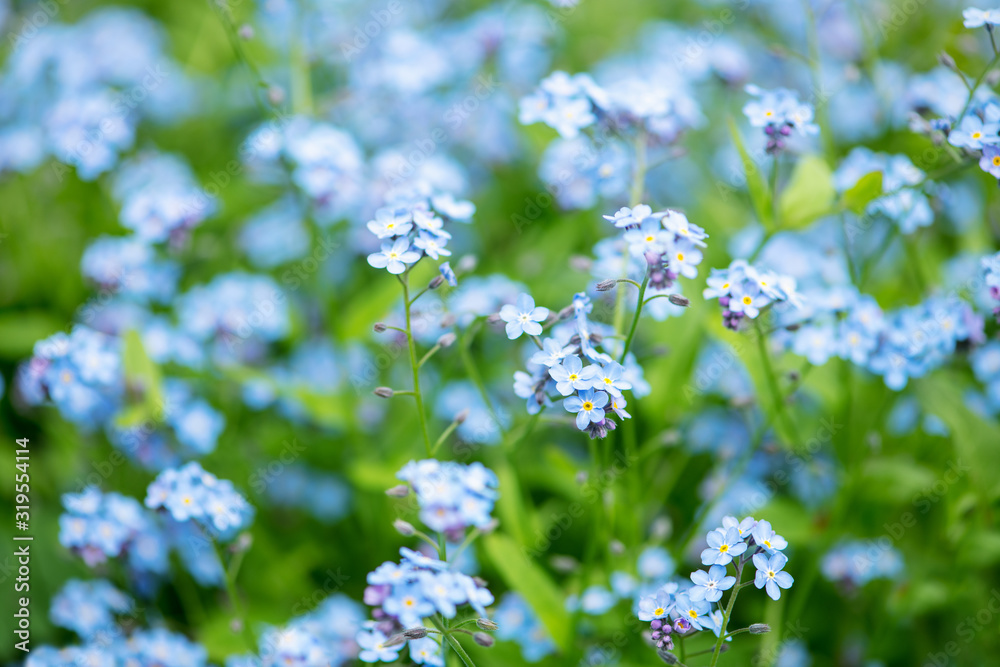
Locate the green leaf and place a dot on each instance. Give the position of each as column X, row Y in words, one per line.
column 142, row 376
column 864, row 192
column 760, row 194
column 532, row 582
column 808, row 195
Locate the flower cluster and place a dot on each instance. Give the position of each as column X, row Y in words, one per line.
column 127, row 265
column 88, row 608
column 669, row 243
column 80, row 373
column 413, row 227
column 571, row 103
column 190, row 493
column 991, row 273
column 903, row 201
column 452, row 496
column 405, row 593
column 518, row 623
column 160, row 199
column 908, row 342
column 235, row 309
column 780, row 113
column 77, row 92
column 985, row 363
column 572, row 367
column 326, row 162
column 681, row 608
column 145, row 647
column 323, row 637
column 744, row 290
column 100, row 526
column 855, row 563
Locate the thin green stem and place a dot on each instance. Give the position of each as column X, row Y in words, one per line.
column 772, row 381
column 975, row 86
column 726, row 615
column 636, row 193
column 442, row 547
column 635, row 318
column 454, row 643
column 301, row 77
column 414, row 364
column 444, row 436
column 234, row 598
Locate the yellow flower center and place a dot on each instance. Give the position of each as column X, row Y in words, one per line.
column 588, row 406
column 976, row 135
column 770, row 574
column 747, row 301
column 680, row 257
column 692, row 613
column 996, row 161
column 658, row 611
column 573, row 377
column 767, row 543
column 724, row 548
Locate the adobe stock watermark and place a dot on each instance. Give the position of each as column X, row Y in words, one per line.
column 262, row 477
column 922, row 502
column 967, row 630
column 454, row 118
column 363, row 35
column 592, row 491
column 32, row 23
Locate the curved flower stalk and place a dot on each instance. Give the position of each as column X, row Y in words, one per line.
column 410, row 228
column 587, row 365
column 451, row 498
column 678, row 610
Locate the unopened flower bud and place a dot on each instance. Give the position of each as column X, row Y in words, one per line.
column 383, row 392
column 436, row 282
column 236, row 625
column 447, row 340
column 398, row 491
column 395, row 640
column 616, row 547
column 448, row 320
column 667, row 657
column 946, row 60
column 486, row 624
column 606, row 285
column 993, row 78
column 380, row 327
column 246, row 31
column 467, row 264
column 490, row 526
column 661, row 528
column 483, row 639
column 276, row 95
column 564, row 563
column 581, row 263
column 679, row 300
column 760, row 629
column 415, row 633
column 462, row 416
column 243, row 543
column 403, row 527
column 566, row 313
column 480, row 582
column 493, row 318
